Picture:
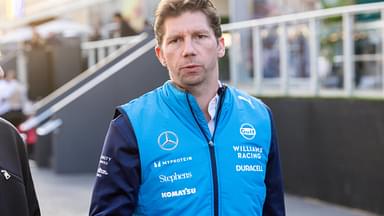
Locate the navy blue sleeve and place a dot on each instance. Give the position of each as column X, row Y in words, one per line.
column 118, row 176
column 274, row 201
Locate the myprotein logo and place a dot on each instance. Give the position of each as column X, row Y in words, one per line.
column 247, row 131
column 168, row 140
column 158, row 164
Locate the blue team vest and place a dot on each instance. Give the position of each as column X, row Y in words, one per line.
column 176, row 168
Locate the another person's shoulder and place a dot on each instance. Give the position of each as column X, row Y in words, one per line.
column 7, row 127
column 10, row 144
column 8, row 134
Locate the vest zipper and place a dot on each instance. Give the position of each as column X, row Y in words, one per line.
column 211, row 145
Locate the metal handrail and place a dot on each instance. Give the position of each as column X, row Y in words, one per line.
column 304, row 16
column 107, row 43
column 87, row 73
column 107, row 47
column 49, row 127
column 33, row 122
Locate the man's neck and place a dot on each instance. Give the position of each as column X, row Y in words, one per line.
column 203, row 96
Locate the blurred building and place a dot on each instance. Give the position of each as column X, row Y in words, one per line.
column 97, row 13
column 94, row 19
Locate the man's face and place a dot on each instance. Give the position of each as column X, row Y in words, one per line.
column 190, row 50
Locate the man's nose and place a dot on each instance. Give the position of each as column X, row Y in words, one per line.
column 189, row 48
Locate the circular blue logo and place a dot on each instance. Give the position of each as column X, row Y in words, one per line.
column 247, row 131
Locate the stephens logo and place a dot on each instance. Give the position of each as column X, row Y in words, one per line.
column 175, row 177
column 168, row 140
column 247, row 131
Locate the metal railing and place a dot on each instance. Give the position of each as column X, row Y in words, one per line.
column 252, row 33
column 88, row 46
column 77, row 93
column 49, row 127
column 96, row 51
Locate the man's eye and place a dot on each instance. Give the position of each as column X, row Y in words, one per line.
column 173, row 41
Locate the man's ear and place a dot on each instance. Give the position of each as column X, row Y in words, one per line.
column 160, row 56
column 220, row 47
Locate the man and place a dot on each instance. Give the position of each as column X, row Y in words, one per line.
column 16, row 99
column 193, row 146
column 4, row 94
column 17, row 196
column 124, row 27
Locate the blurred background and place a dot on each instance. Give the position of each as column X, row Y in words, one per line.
column 317, row 63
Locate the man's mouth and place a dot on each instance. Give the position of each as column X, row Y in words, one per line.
column 190, row 66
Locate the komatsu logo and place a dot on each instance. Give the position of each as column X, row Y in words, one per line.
column 247, row 131
column 178, row 193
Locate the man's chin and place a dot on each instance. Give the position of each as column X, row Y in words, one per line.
column 192, row 82
column 187, row 84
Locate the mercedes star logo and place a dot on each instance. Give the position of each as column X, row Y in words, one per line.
column 168, row 140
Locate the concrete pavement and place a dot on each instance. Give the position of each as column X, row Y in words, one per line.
column 69, row 195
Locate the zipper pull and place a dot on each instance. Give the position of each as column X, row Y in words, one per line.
column 5, row 174
column 211, row 143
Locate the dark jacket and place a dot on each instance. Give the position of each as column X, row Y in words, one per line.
column 17, row 193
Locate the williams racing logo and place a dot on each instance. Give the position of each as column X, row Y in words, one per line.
column 168, row 140
column 247, row 131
